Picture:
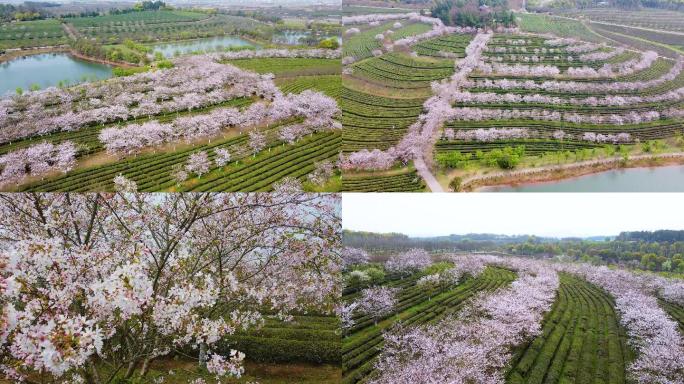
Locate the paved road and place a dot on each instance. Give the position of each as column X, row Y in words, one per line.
column 425, row 173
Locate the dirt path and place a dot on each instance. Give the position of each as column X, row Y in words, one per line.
column 71, row 31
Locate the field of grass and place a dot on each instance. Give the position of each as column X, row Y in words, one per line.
column 645, row 18
column 351, row 10
column 143, row 26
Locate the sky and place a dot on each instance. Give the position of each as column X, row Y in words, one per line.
column 541, row 214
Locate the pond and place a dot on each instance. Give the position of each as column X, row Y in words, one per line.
column 48, row 69
column 207, row 44
column 657, row 179
column 297, row 37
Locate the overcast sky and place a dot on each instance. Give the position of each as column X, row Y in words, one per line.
column 542, row 214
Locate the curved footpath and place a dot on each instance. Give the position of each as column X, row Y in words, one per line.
column 544, row 173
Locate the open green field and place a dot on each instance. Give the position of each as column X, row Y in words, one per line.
column 646, row 29
column 351, row 10
column 290, row 67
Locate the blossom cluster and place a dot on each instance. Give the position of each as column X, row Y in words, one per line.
column 183, row 270
column 413, row 260
column 195, row 82
column 481, row 114
column 607, row 70
column 353, row 256
column 318, row 110
column 312, row 53
column 602, row 55
column 465, row 96
column 610, row 138
column 492, row 134
column 36, row 160
column 579, row 86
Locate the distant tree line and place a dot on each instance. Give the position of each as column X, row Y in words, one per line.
column 667, row 236
column 474, row 13
column 658, row 251
column 29, row 10
column 657, row 256
column 469, row 242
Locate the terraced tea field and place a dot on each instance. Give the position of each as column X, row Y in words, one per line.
column 415, row 306
column 361, row 45
column 153, row 169
column 581, row 341
column 584, row 333
column 580, row 98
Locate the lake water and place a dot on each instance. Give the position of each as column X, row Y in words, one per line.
column 293, row 37
column 47, row 70
column 289, row 37
column 657, row 179
column 208, row 44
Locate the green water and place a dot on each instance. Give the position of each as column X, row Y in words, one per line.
column 47, row 70
column 658, row 179
column 208, row 44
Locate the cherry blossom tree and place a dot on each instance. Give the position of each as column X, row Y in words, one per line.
column 124, row 184
column 124, row 279
column 353, row 256
column 222, row 157
column 257, row 141
column 179, row 174
column 377, row 302
column 198, row 163
column 413, row 260
column 36, row 160
column 653, row 334
column 323, row 171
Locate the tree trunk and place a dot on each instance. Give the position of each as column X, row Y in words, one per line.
column 145, row 367
column 203, row 355
column 131, row 369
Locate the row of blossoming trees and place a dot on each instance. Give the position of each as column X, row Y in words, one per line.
column 521, row 77
column 194, row 84
column 96, row 287
column 476, row 344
